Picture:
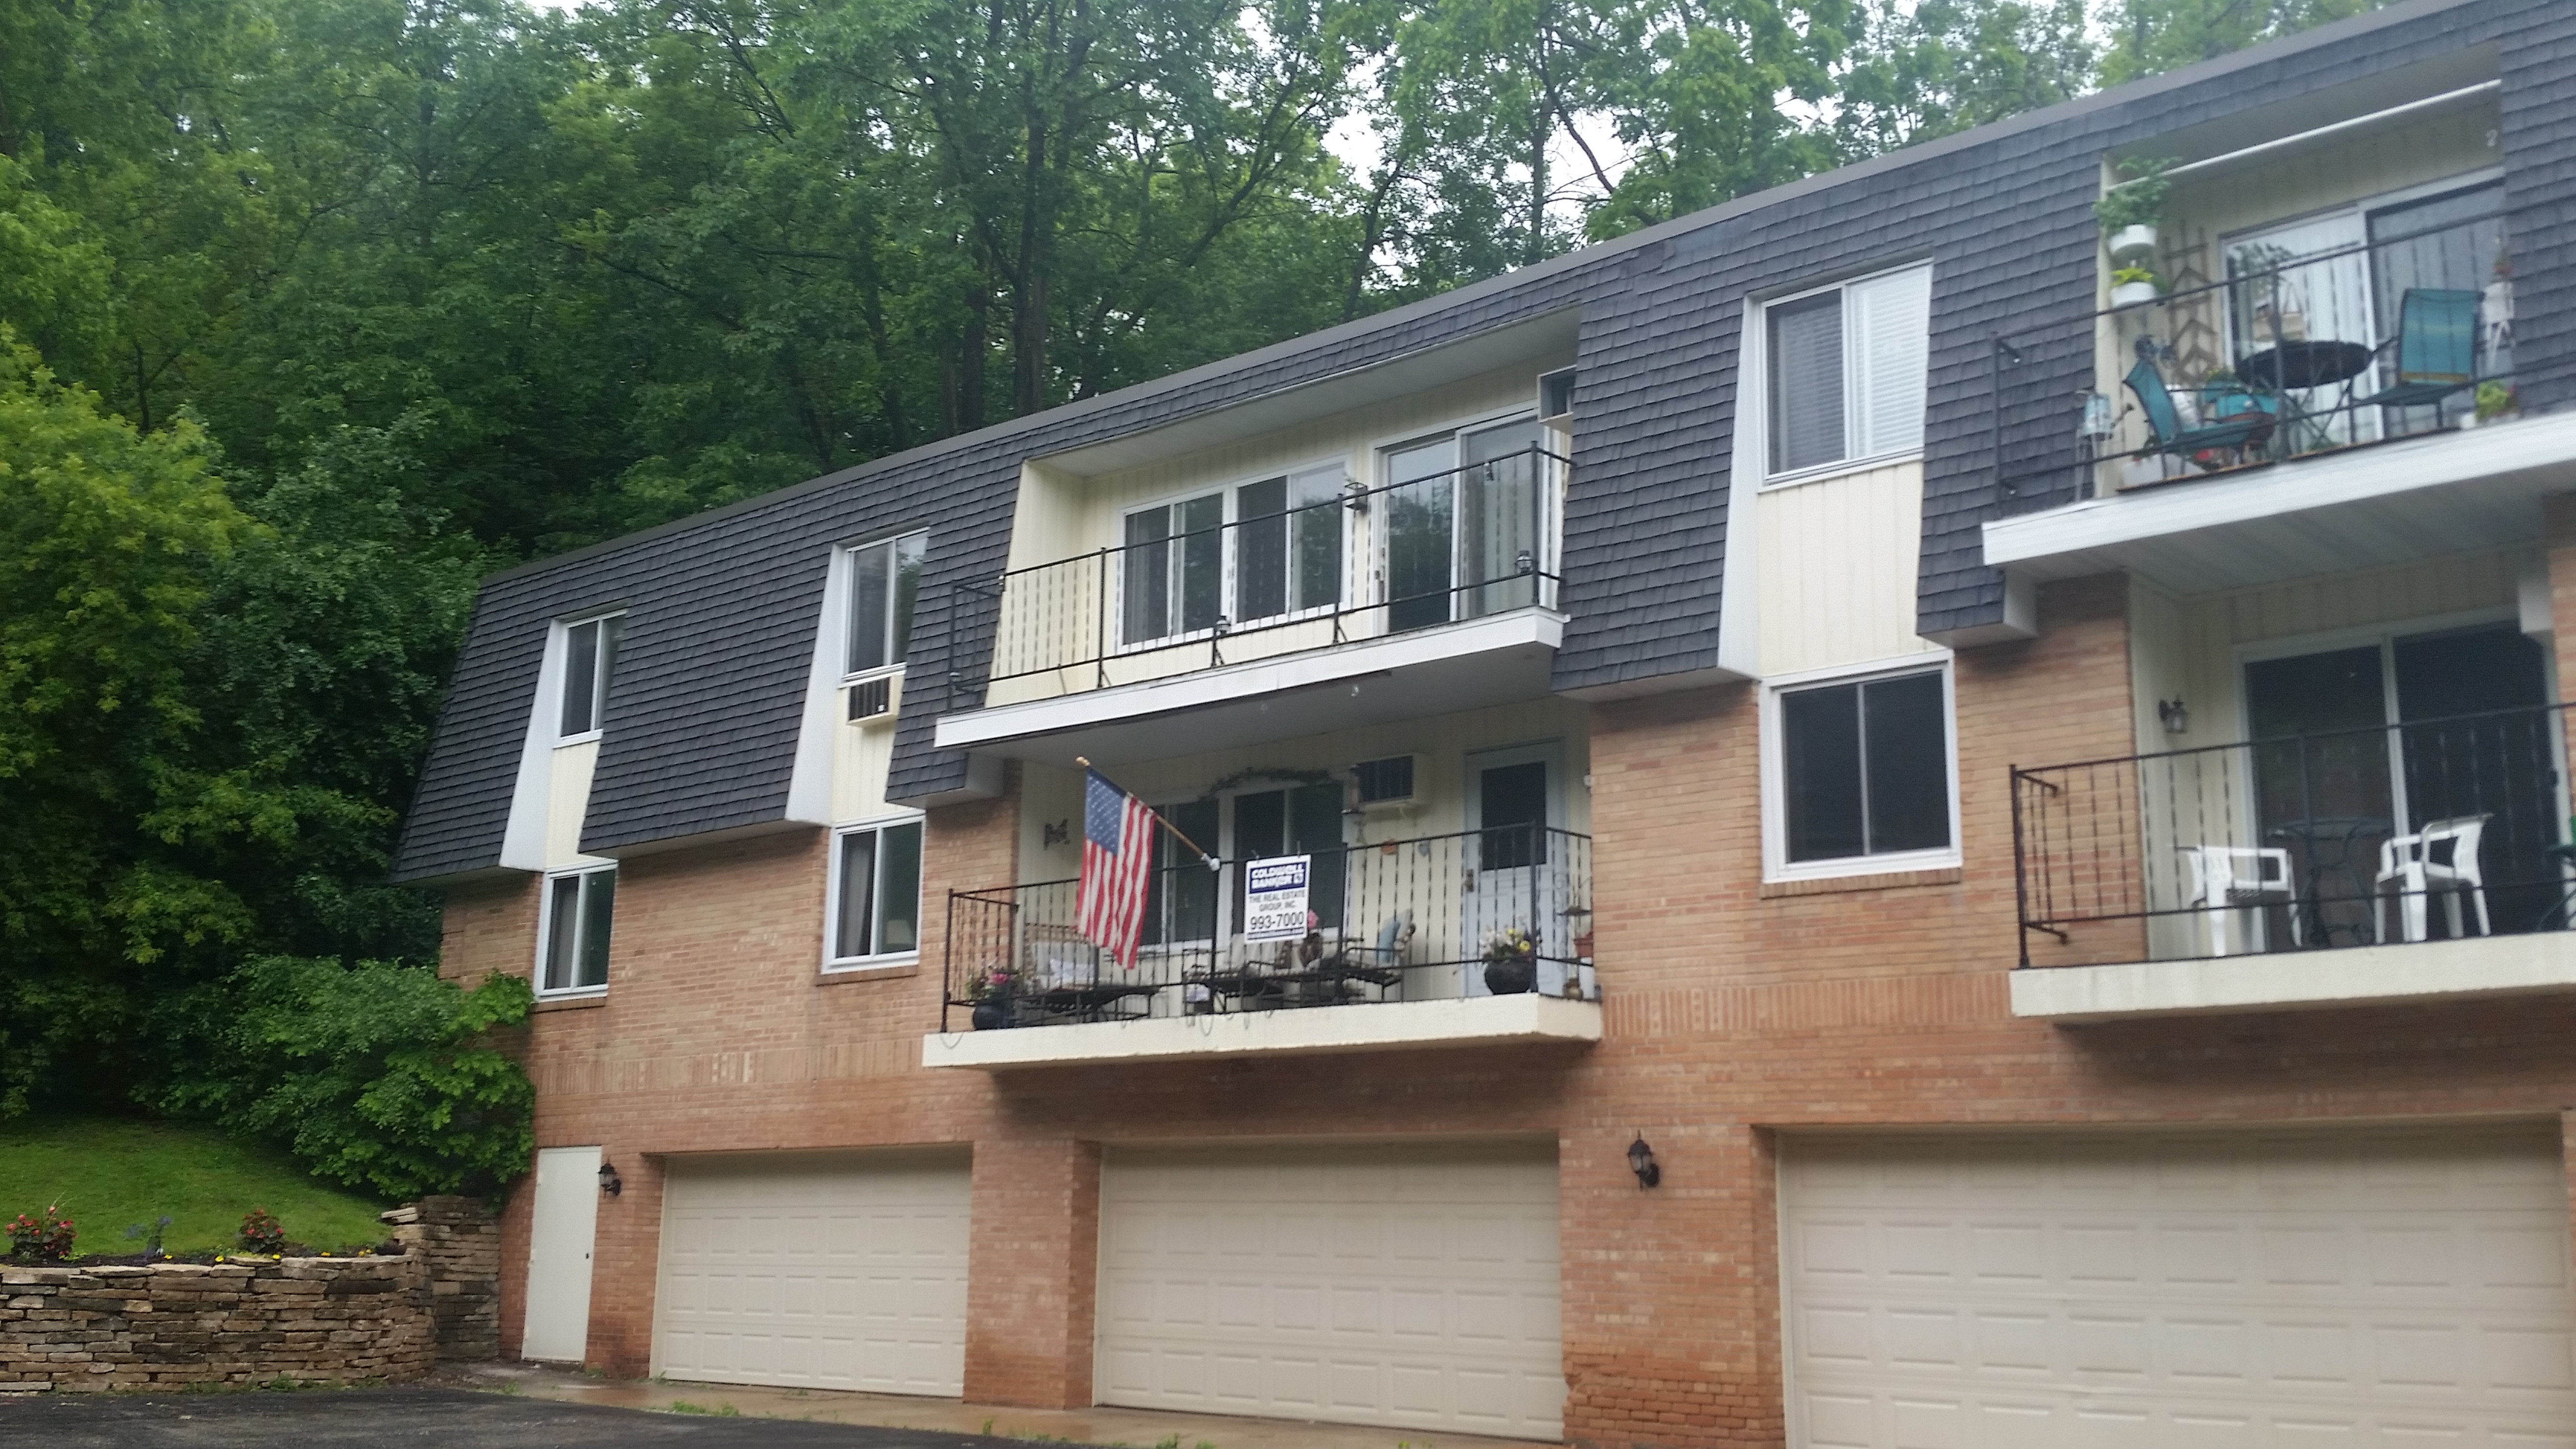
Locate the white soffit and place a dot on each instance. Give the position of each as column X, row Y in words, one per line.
column 1549, row 339
column 2411, row 972
column 2327, row 514
column 1359, row 1027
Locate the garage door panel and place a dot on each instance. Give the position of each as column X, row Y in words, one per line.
column 1349, row 1284
column 820, row 1275
column 2367, row 1288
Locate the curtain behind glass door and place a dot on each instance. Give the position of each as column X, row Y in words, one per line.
column 1420, row 534
column 2504, row 767
column 1499, row 551
column 2321, row 781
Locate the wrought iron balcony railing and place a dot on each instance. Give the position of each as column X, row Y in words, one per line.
column 2426, row 830
column 1188, row 591
column 1406, row 920
column 2290, row 355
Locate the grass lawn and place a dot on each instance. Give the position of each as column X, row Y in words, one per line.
column 109, row 1172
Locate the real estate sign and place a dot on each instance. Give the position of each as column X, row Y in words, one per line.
column 1274, row 898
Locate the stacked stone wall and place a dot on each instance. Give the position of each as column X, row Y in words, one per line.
column 180, row 1325
column 459, row 1244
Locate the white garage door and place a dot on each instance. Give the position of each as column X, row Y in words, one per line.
column 1414, row 1287
column 2181, row 1292
column 827, row 1275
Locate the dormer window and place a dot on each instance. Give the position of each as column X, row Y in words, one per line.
column 884, row 578
column 590, row 654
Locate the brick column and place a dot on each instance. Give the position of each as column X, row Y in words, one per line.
column 1032, row 1268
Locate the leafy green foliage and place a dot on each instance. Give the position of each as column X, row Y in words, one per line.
column 380, row 1076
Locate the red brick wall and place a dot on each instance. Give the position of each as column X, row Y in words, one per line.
column 1735, row 1016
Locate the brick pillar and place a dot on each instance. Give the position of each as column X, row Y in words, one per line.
column 625, row 1264
column 1032, row 1266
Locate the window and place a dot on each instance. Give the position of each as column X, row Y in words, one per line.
column 1259, row 551
column 1845, row 371
column 884, row 579
column 876, row 892
column 1466, row 525
column 1863, row 771
column 1182, row 901
column 572, row 952
column 590, row 656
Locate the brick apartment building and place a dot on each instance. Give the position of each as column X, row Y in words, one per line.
column 2040, row 810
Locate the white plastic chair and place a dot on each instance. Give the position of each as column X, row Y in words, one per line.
column 2443, row 856
column 2241, row 878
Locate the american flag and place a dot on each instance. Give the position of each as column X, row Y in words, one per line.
column 1117, row 853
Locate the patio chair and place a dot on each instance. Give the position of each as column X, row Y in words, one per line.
column 2437, row 348
column 2238, row 433
column 2241, row 878
column 2443, row 856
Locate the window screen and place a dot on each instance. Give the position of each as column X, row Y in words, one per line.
column 1806, row 382
column 1865, row 768
column 590, row 654
column 885, row 578
column 1848, row 371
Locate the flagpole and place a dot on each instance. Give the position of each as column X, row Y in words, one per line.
column 1157, row 814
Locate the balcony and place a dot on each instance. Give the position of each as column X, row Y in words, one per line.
column 2418, row 860
column 1397, row 957
column 1324, row 604
column 2341, row 396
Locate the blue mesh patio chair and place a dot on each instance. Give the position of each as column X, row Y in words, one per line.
column 2437, row 347
column 2240, row 432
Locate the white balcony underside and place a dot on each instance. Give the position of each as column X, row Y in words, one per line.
column 1442, row 670
column 2447, row 493
column 1315, row 1031
column 2481, row 966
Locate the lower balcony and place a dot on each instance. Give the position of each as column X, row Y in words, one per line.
column 1480, row 938
column 2419, row 860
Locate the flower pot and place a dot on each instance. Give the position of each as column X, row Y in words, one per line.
column 2133, row 294
column 2131, row 242
column 1510, row 975
column 992, row 1013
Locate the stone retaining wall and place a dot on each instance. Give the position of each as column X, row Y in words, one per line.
column 460, row 1243
column 172, row 1325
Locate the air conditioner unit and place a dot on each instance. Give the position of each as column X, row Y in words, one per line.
column 1556, row 396
column 1389, row 784
column 870, row 698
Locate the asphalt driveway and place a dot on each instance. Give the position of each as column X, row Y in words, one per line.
column 429, row 1418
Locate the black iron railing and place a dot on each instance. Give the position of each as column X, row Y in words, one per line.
column 1359, row 562
column 2287, row 356
column 1432, row 918
column 2425, row 830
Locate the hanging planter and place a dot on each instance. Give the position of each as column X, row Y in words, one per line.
column 2134, row 243
column 2133, row 287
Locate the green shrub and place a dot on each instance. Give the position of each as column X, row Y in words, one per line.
column 378, row 1076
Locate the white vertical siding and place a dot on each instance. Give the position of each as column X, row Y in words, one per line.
column 568, row 800
column 1837, row 566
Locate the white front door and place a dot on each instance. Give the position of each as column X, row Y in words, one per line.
column 2179, row 1290
column 1414, row 1285
column 559, row 1249
column 1515, row 873
column 815, row 1273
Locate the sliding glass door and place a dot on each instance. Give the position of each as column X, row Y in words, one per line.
column 1466, row 525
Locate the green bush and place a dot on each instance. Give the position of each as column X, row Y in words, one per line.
column 378, row 1076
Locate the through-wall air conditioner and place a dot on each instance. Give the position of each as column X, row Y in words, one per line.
column 1556, row 397
column 1388, row 784
column 871, row 698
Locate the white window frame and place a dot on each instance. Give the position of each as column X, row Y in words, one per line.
column 1753, row 421
column 848, row 604
column 1776, row 865
column 837, row 965
column 546, row 930
column 559, row 644
column 1227, row 495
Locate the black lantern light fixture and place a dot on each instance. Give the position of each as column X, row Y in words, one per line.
column 609, row 1182
column 2174, row 716
column 1641, row 1161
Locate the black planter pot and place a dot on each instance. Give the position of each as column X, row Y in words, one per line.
column 1510, row 975
column 993, row 1013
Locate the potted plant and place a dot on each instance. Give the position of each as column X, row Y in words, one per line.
column 2497, row 399
column 1511, row 961
column 992, row 993
column 2134, row 287
column 2129, row 209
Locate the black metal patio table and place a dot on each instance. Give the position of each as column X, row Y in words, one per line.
column 2326, row 845
column 2303, row 366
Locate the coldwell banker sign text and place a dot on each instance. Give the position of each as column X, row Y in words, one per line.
column 1274, row 899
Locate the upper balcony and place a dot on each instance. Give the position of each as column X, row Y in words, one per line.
column 2394, row 863
column 1272, row 607
column 2305, row 364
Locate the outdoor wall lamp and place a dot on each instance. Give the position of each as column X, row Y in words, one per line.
column 2177, row 719
column 1641, row 1161
column 609, row 1182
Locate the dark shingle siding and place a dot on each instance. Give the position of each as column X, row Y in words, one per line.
column 703, row 715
